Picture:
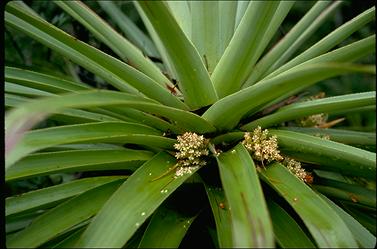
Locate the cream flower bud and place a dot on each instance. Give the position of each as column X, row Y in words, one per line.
column 191, row 147
column 295, row 168
column 262, row 146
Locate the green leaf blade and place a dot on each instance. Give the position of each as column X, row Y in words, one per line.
column 47, row 163
column 193, row 78
column 182, row 13
column 329, row 41
column 117, row 73
column 125, row 212
column 251, row 224
column 303, row 109
column 125, row 49
column 23, row 118
column 114, row 132
column 364, row 238
column 251, row 99
column 221, row 213
column 327, row 228
column 41, row 81
column 308, row 24
column 205, row 34
column 339, row 135
column 90, row 202
column 240, row 56
column 288, row 233
column 175, row 225
column 330, row 155
column 40, row 198
column 134, row 34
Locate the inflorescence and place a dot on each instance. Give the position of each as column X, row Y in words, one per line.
column 295, row 168
column 262, row 146
column 314, row 120
column 191, row 148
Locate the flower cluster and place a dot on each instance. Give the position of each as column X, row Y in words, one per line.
column 191, row 147
column 319, row 95
column 313, row 120
column 323, row 136
column 262, row 146
column 316, row 119
column 296, row 169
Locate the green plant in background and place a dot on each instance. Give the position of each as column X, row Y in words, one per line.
column 176, row 149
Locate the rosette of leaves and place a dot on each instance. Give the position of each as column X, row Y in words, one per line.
column 216, row 69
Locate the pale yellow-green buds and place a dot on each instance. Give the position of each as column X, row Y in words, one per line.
column 295, row 168
column 316, row 119
column 313, row 120
column 262, row 146
column 191, row 148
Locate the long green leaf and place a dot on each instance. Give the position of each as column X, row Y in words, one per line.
column 84, row 205
column 24, row 90
column 363, row 237
column 52, row 84
column 41, row 81
column 117, row 73
column 251, row 224
column 240, row 12
column 68, row 115
column 126, row 211
column 240, row 56
column 114, row 132
column 46, row 197
column 329, row 41
column 326, row 227
column 276, row 21
column 347, row 192
column 205, row 33
column 76, row 161
column 82, row 146
column 338, row 135
column 330, row 175
column 182, row 14
column 228, row 11
column 71, row 240
column 193, row 79
column 15, row 223
column 250, row 99
column 221, row 213
column 303, row 109
column 330, row 155
column 348, row 53
column 105, row 33
column 228, row 138
column 291, row 42
column 26, row 116
column 288, row 233
column 166, row 229
column 67, row 233
column 129, row 28
column 134, row 115
column 167, row 63
column 365, row 219
column 180, row 118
